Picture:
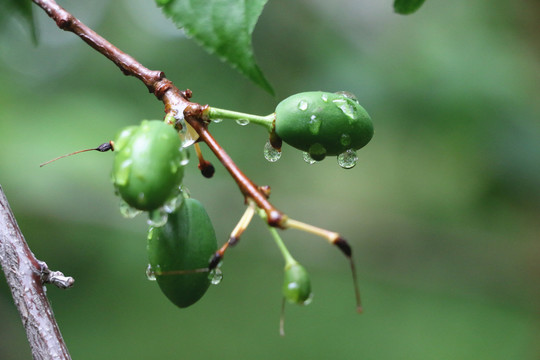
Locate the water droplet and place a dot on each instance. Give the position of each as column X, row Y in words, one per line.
column 346, row 107
column 348, row 95
column 157, row 217
column 173, row 203
column 217, row 121
column 184, row 157
column 347, row 159
column 121, row 175
column 308, row 300
column 270, row 153
column 308, row 158
column 150, row 274
column 345, row 140
column 187, row 134
column 324, row 97
column 242, row 122
column 150, row 234
column 127, row 211
column 215, row 276
column 314, row 125
column 302, row 105
column 317, row 151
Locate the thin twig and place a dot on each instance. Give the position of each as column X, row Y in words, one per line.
column 24, row 274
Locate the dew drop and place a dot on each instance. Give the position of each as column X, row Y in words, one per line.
column 345, row 107
column 127, row 211
column 242, row 122
column 217, row 121
column 184, row 157
column 317, row 152
column 308, row 300
column 308, row 158
column 187, row 134
column 150, row 234
column 314, row 124
column 150, row 274
column 121, row 175
column 157, row 217
column 345, row 140
column 215, row 276
column 270, row 153
column 348, row 95
column 324, row 97
column 302, row 105
column 347, row 159
column 173, row 203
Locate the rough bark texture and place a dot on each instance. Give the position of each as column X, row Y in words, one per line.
column 24, row 275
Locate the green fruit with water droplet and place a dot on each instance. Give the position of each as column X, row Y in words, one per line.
column 147, row 170
column 322, row 123
column 185, row 243
column 296, row 286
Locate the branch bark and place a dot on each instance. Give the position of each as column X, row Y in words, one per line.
column 25, row 276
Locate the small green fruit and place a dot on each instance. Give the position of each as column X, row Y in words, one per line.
column 322, row 123
column 185, row 243
column 297, row 286
column 147, row 167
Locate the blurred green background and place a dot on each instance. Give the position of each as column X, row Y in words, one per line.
column 442, row 209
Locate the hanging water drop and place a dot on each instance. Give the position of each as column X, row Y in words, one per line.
column 308, row 158
column 302, row 105
column 184, row 156
column 347, row 159
column 242, row 122
column 157, row 218
column 215, row 276
column 173, row 203
column 317, row 151
column 150, row 273
column 270, row 153
column 217, row 121
column 127, row 211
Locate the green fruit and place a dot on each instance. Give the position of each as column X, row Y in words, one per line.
column 147, row 167
column 297, row 286
column 322, row 123
column 185, row 243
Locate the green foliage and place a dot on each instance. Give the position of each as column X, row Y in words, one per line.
column 223, row 28
column 22, row 8
column 406, row 7
column 185, row 243
column 147, row 167
column 323, row 124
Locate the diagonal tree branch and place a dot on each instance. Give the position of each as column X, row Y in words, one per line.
column 25, row 276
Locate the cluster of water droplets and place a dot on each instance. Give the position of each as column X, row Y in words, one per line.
column 270, row 153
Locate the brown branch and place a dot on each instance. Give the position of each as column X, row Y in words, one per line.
column 164, row 90
column 25, row 276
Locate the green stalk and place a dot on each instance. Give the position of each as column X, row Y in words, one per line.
column 221, row 114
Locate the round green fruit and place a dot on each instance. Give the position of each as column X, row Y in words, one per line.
column 297, row 286
column 147, row 167
column 322, row 123
column 179, row 250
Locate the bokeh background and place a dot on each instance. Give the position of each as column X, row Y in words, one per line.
column 442, row 209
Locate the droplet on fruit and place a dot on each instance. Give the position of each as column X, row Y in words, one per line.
column 308, row 158
column 314, row 124
column 127, row 211
column 302, row 105
column 215, row 276
column 157, row 218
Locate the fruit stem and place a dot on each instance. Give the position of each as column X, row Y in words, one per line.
column 289, row 260
column 213, row 113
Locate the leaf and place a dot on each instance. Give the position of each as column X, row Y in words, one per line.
column 223, row 27
column 406, row 7
column 23, row 8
